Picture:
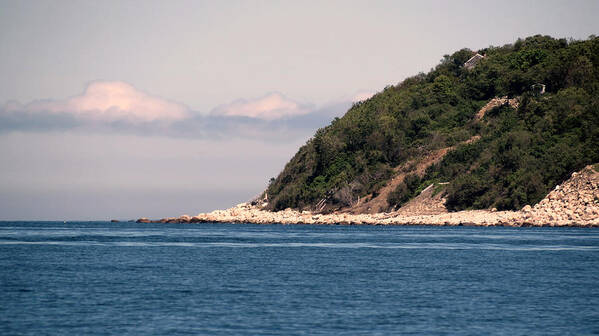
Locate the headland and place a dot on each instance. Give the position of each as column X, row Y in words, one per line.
column 574, row 203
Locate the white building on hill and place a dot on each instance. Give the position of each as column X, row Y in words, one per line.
column 473, row 61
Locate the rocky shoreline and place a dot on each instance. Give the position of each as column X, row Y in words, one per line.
column 575, row 203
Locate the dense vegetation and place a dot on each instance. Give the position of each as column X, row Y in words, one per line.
column 521, row 154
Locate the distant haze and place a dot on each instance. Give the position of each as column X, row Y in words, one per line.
column 123, row 109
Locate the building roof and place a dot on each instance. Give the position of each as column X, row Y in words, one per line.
column 473, row 61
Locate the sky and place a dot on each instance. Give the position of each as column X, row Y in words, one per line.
column 128, row 109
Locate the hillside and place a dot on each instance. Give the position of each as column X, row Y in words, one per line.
column 483, row 137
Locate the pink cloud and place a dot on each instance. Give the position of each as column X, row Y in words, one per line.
column 360, row 96
column 111, row 101
column 269, row 107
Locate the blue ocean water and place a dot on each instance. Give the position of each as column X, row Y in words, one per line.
column 103, row 278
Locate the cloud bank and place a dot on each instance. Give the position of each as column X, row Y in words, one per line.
column 269, row 107
column 108, row 101
column 121, row 108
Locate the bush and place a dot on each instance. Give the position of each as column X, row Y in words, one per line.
column 404, row 191
column 463, row 190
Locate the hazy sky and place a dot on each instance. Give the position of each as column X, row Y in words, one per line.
column 123, row 109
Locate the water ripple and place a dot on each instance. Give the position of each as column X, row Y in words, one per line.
column 427, row 246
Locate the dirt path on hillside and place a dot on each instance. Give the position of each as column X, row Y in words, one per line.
column 377, row 204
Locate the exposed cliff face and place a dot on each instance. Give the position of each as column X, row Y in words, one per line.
column 414, row 134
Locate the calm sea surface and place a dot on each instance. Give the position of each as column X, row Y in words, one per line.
column 102, row 278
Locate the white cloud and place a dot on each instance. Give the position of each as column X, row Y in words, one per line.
column 362, row 95
column 269, row 107
column 120, row 108
column 110, row 101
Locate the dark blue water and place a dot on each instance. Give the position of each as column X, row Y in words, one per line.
column 220, row 279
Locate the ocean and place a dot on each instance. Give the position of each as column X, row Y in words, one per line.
column 101, row 278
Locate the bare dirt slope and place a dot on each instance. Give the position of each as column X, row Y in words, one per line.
column 496, row 102
column 374, row 204
column 428, row 202
column 379, row 203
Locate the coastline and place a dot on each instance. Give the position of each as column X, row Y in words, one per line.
column 575, row 203
column 245, row 213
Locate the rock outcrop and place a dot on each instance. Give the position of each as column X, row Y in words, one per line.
column 429, row 202
column 574, row 203
column 496, row 102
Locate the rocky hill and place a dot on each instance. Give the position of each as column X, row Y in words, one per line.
column 500, row 134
